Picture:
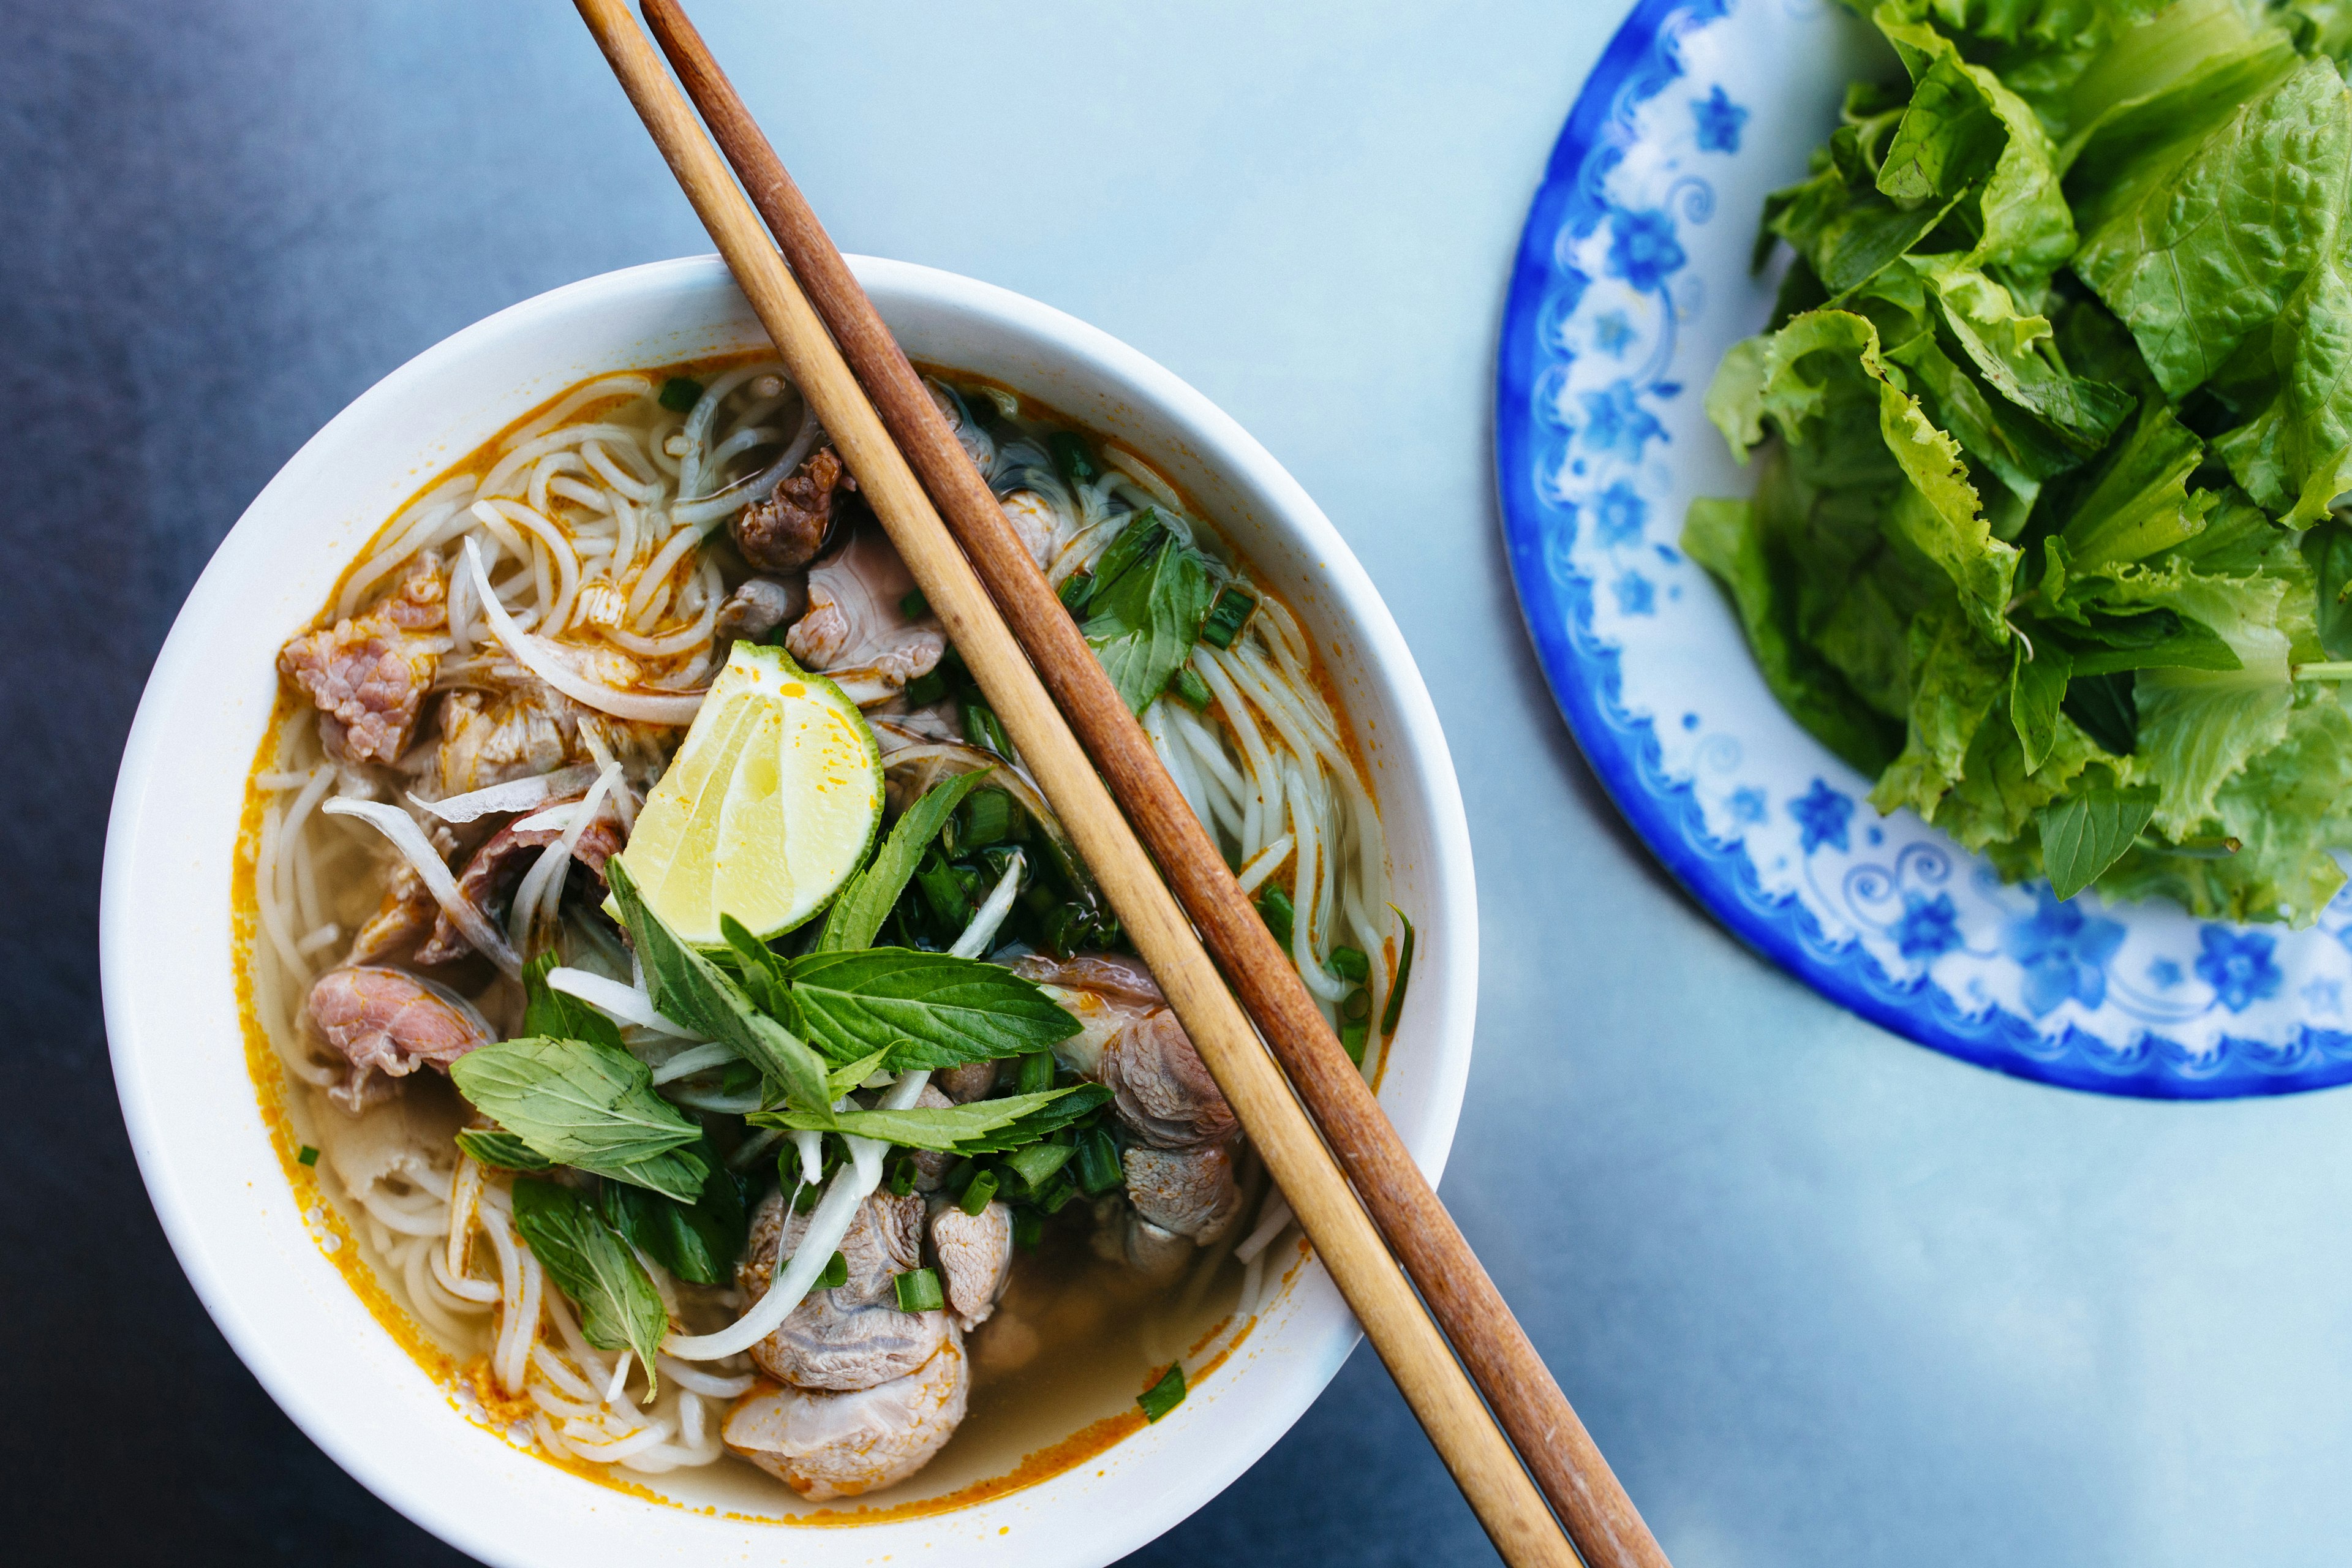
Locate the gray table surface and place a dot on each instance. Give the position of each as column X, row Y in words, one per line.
column 1824, row 1298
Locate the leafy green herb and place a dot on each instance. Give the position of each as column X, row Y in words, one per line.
column 1073, row 1105
column 1395, row 1009
column 307, row 1156
column 858, row 913
column 1071, row 457
column 1226, row 617
column 501, row 1150
column 945, row 1129
column 1273, row 907
column 2105, row 707
column 1076, row 590
column 553, row 1013
column 2085, row 834
column 926, row 690
column 689, row 989
column 919, row 1291
column 1151, row 593
column 680, row 393
column 1165, row 1394
column 587, row 1106
column 619, row 1308
column 913, row 606
column 2328, row 548
column 697, row 1241
column 932, row 1009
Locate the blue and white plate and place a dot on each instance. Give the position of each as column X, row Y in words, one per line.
column 1632, row 279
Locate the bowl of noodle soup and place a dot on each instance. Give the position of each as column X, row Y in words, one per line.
column 567, row 499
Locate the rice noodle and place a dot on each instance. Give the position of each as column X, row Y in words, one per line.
column 625, row 1002
column 536, row 655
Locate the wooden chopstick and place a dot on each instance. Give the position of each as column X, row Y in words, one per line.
column 1574, row 1476
column 1442, row 1396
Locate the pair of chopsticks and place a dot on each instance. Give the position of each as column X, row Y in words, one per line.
column 1362, row 1202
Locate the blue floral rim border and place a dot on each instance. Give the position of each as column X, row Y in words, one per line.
column 1582, row 669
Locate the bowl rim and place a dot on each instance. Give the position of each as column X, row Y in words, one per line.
column 136, row 823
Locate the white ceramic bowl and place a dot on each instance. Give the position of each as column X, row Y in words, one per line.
column 171, row 1003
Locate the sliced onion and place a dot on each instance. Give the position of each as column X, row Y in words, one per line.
column 409, row 839
column 515, row 795
column 828, row 1223
column 539, row 657
column 626, row 1003
column 982, row 930
column 698, row 1058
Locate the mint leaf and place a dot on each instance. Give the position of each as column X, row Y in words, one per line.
column 619, row 1308
column 697, row 1241
column 548, row 1011
column 947, row 1129
column 2036, row 686
column 2084, row 834
column 584, row 1105
column 928, row 1009
column 858, row 913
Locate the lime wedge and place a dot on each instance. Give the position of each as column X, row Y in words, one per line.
column 768, row 806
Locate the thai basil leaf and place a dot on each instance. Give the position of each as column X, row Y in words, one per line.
column 587, row 1106
column 697, row 1241
column 689, row 989
column 842, row 1079
column 2036, row 688
column 559, row 1015
column 1148, row 604
column 858, row 913
column 929, row 1009
column 501, row 1150
column 946, row 1129
column 1076, row 1104
column 2083, row 835
column 619, row 1308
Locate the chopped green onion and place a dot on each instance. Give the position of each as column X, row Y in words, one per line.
column 1348, row 963
column 1395, row 1008
column 986, row 817
column 937, row 880
column 902, row 1176
column 926, row 690
column 1071, row 456
column 914, row 607
column 1227, row 617
column 680, row 393
column 1037, row 1163
column 1273, row 907
column 1099, row 1166
column 977, row 1196
column 982, row 728
column 1357, row 1005
column 309, row 1156
column 1028, row 1228
column 836, row 1272
column 1190, row 689
column 1351, row 1040
column 806, row 1198
column 1165, row 1396
column 1057, row 1195
column 1077, row 589
column 919, row 1291
column 1036, row 1072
